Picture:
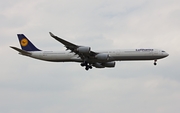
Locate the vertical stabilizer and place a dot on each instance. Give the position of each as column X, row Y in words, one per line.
column 26, row 43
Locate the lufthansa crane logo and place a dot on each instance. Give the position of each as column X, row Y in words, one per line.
column 24, row 42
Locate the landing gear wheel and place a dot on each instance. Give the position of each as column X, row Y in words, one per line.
column 90, row 67
column 82, row 64
column 155, row 62
column 87, row 65
column 87, row 68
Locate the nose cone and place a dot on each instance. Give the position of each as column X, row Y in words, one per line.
column 166, row 54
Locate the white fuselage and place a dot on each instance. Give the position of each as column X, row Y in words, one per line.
column 116, row 55
column 85, row 55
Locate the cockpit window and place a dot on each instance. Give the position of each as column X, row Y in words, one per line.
column 163, row 51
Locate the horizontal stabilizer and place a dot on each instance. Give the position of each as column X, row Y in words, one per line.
column 23, row 52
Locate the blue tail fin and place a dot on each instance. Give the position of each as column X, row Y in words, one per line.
column 26, row 44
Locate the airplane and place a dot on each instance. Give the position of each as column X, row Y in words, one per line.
column 85, row 56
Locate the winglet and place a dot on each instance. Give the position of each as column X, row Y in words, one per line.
column 51, row 34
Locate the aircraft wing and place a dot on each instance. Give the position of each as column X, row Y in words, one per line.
column 74, row 48
column 67, row 44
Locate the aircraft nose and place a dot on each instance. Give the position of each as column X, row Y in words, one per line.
column 166, row 54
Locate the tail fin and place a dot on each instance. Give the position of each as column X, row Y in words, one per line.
column 26, row 44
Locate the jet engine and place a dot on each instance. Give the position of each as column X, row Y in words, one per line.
column 103, row 65
column 98, row 65
column 109, row 64
column 102, row 56
column 84, row 49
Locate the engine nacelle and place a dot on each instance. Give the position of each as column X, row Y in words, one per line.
column 109, row 64
column 102, row 56
column 98, row 65
column 84, row 49
column 103, row 65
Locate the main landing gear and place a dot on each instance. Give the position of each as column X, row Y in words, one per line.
column 155, row 62
column 87, row 66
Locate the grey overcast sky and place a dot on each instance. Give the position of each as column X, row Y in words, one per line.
column 32, row 86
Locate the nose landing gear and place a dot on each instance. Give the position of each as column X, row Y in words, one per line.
column 155, row 62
